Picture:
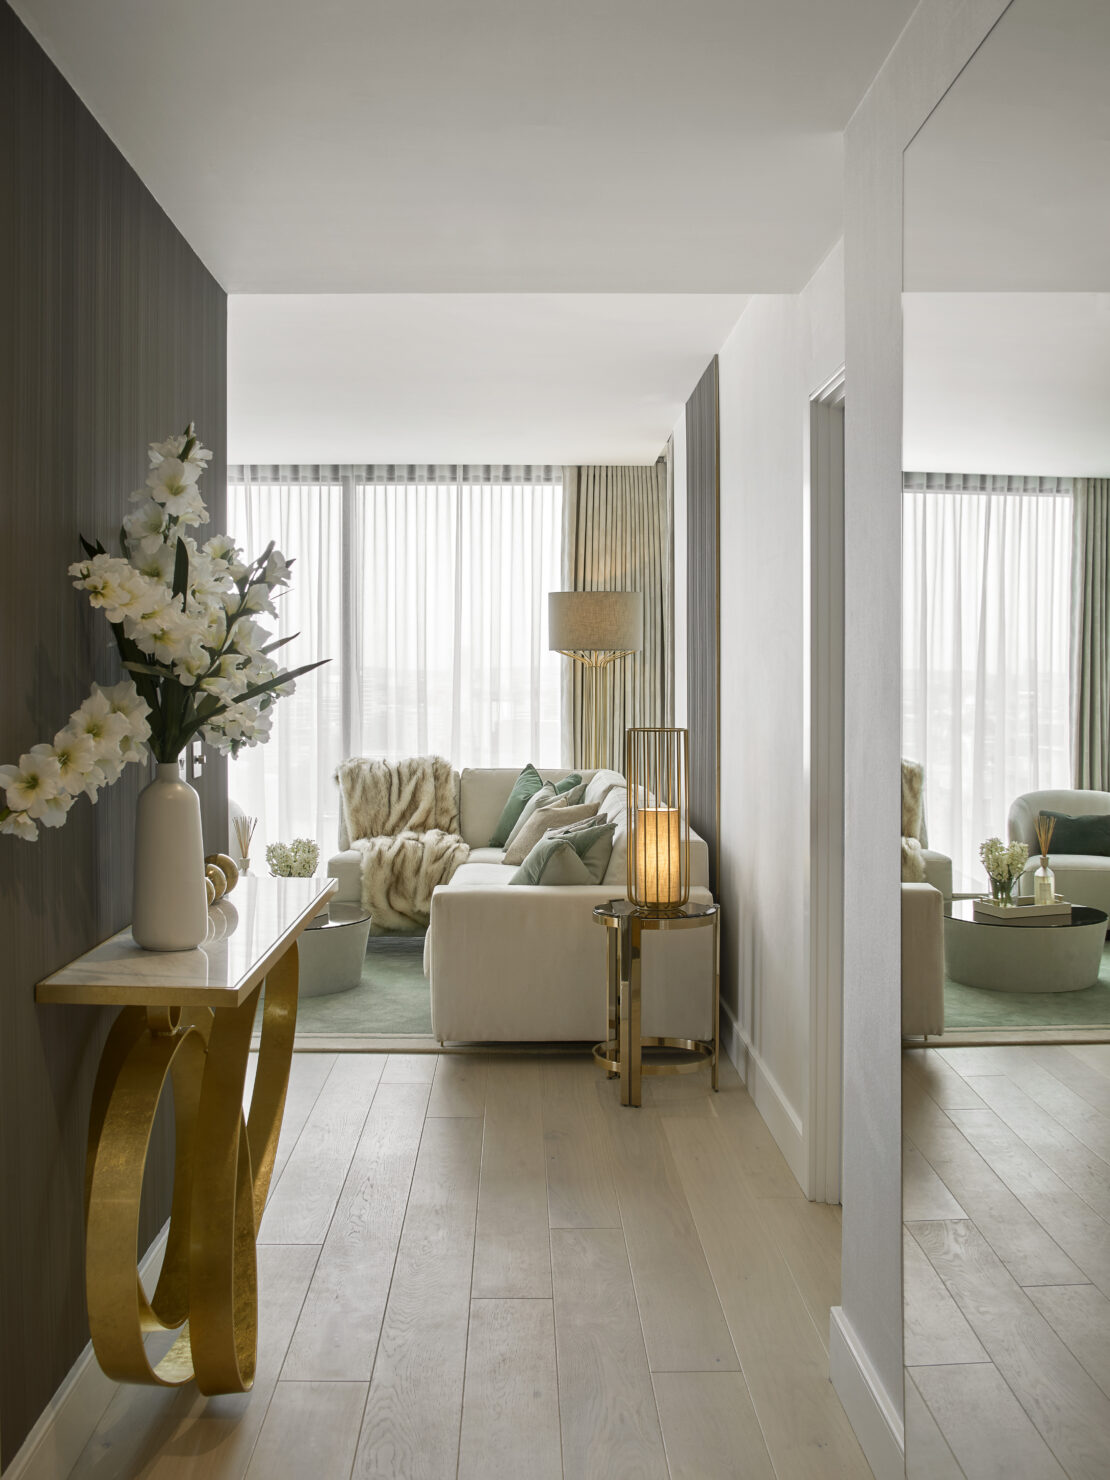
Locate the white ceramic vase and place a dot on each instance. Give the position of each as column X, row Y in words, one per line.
column 169, row 910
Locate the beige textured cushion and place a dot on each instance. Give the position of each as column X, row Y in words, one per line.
column 545, row 797
column 539, row 823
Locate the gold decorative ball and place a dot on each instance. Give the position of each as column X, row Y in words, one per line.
column 217, row 878
column 227, row 865
column 210, row 889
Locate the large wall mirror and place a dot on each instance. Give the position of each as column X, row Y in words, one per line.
column 1006, row 736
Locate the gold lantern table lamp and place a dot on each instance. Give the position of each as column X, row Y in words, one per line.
column 656, row 768
column 596, row 629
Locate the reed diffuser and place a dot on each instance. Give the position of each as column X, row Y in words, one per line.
column 242, row 829
column 1044, row 880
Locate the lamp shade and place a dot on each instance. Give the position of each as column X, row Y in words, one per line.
column 595, row 621
column 657, row 771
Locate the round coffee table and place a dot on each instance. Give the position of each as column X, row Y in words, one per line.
column 333, row 949
column 1023, row 958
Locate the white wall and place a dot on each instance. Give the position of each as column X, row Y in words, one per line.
column 866, row 1334
column 784, row 348
column 681, row 614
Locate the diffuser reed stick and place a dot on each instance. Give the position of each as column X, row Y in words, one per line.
column 243, row 829
column 1045, row 827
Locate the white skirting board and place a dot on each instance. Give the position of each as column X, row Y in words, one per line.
column 783, row 1121
column 871, row 1412
column 69, row 1420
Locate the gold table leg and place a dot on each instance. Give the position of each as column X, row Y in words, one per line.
column 631, row 1048
column 223, row 1165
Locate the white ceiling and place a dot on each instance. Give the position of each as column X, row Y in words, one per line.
column 1007, row 185
column 1007, row 383
column 490, row 145
column 465, row 377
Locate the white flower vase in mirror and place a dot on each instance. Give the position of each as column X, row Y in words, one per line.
column 1004, row 866
column 295, row 860
column 184, row 618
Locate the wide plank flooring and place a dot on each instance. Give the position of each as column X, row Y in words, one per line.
column 481, row 1266
column 1006, row 1200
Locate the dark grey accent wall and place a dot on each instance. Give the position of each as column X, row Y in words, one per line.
column 112, row 334
column 703, row 669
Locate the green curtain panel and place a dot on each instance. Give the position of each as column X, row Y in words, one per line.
column 619, row 536
column 1091, row 633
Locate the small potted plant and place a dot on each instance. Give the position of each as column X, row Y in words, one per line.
column 1004, row 866
column 295, row 860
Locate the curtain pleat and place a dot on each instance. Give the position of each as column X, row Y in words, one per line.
column 619, row 534
column 1091, row 634
column 986, row 651
column 426, row 587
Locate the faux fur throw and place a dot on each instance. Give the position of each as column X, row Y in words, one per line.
column 913, row 862
column 913, row 807
column 400, row 872
column 384, row 798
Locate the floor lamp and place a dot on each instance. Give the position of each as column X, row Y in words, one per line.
column 595, row 628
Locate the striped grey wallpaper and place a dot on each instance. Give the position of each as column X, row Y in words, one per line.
column 703, row 611
column 112, row 333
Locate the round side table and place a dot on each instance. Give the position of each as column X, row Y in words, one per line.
column 333, row 949
column 622, row 1052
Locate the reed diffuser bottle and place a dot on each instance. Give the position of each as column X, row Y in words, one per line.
column 1044, row 880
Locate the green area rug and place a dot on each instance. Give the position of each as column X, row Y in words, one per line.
column 971, row 1007
column 392, row 999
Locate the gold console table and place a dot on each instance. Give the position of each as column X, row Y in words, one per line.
column 622, row 1053
column 187, row 1017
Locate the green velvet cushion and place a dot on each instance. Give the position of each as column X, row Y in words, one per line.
column 568, row 783
column 592, row 841
column 526, row 784
column 552, row 861
column 1079, row 834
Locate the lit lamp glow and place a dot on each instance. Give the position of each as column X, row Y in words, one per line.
column 656, row 768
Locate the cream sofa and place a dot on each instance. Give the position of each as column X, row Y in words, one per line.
column 923, row 908
column 1082, row 878
column 519, row 964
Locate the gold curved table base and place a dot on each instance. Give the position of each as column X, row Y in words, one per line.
column 224, row 1161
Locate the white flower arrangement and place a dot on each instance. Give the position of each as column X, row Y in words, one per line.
column 184, row 620
column 295, row 860
column 1003, row 864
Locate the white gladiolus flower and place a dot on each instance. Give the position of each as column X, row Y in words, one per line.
column 174, row 447
column 103, row 726
column 35, row 780
column 146, row 527
column 19, row 825
column 76, row 756
column 276, row 572
column 258, row 600
column 220, row 547
column 51, row 811
column 155, row 565
column 172, row 479
column 111, row 583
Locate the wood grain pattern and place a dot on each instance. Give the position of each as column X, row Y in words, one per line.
column 459, row 1086
column 337, row 1333
column 985, row 1426
column 414, row 1410
column 928, row 1456
column 1080, row 1316
column 511, row 1249
column 510, row 1423
column 301, row 1206
column 710, row 1430
column 113, row 335
column 579, row 1174
column 311, row 1428
column 609, row 1422
column 937, row 1332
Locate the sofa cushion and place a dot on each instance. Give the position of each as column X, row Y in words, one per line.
column 487, row 855
column 545, row 797
column 552, row 861
column 479, row 875
column 526, row 784
column 1089, row 835
column 600, row 783
column 569, row 783
column 541, row 821
column 592, row 840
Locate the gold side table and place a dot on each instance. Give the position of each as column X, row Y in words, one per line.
column 187, row 1020
column 622, row 1053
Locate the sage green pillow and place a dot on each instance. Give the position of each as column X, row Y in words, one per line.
column 552, row 861
column 568, row 783
column 526, row 785
column 545, row 797
column 576, row 795
column 542, row 820
column 592, row 841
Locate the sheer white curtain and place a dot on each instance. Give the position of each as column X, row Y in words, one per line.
column 427, row 588
column 986, row 665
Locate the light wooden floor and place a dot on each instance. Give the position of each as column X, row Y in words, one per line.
column 483, row 1267
column 1006, row 1200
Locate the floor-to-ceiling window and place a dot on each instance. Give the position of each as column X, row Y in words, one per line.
column 986, row 655
column 426, row 588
